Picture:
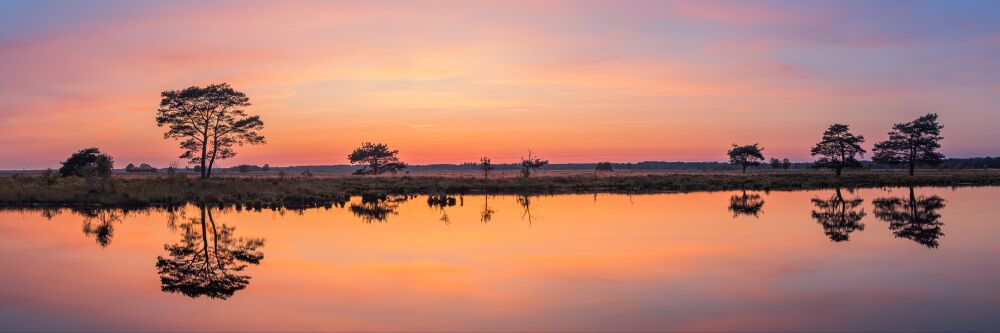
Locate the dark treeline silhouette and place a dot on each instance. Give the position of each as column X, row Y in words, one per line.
column 912, row 217
column 839, row 216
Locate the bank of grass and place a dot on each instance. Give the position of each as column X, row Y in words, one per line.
column 30, row 190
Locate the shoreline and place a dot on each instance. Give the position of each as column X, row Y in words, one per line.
column 306, row 192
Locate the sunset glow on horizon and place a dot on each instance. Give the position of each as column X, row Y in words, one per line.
column 450, row 81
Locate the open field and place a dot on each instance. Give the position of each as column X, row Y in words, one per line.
column 324, row 189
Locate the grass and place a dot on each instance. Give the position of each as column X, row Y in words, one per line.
column 302, row 192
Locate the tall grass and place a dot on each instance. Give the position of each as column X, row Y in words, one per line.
column 28, row 190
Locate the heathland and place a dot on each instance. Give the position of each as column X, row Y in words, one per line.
column 322, row 189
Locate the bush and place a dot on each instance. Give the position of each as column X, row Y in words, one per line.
column 87, row 162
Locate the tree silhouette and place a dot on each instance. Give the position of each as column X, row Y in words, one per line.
column 838, row 148
column 745, row 156
column 88, row 162
column 486, row 165
column 531, row 164
column 377, row 207
column 914, row 218
column 838, row 216
column 912, row 143
column 603, row 166
column 746, row 204
column 375, row 159
column 209, row 121
column 208, row 265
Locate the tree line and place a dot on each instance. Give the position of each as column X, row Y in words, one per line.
column 211, row 122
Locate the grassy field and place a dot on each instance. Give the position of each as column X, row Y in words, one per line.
column 271, row 190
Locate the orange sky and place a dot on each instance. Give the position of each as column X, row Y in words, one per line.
column 449, row 81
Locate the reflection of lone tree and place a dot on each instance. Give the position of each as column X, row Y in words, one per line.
column 746, row 204
column 375, row 159
column 208, row 261
column 377, row 207
column 915, row 218
column 442, row 202
column 525, row 202
column 745, row 156
column 838, row 216
column 486, row 214
column 100, row 224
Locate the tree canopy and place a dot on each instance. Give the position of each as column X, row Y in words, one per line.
column 912, row 143
column 376, row 158
column 745, row 156
column 531, row 164
column 87, row 162
column 210, row 121
column 838, row 148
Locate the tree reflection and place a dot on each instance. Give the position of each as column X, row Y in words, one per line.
column 486, row 214
column 377, row 207
column 525, row 202
column 208, row 260
column 746, row 204
column 441, row 202
column 839, row 216
column 914, row 218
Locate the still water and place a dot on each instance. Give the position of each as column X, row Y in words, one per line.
column 925, row 259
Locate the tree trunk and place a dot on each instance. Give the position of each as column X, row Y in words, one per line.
column 204, row 155
column 744, row 168
column 838, row 172
column 912, row 166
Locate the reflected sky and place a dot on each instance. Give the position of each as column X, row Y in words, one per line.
column 539, row 263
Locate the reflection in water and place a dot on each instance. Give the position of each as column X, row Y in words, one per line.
column 839, row 216
column 486, row 214
column 746, row 204
column 200, row 265
column 914, row 218
column 525, row 202
column 441, row 202
column 377, row 207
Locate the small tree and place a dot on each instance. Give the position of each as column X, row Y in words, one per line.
column 88, row 162
column 603, row 166
column 912, row 143
column 786, row 164
column 266, row 167
column 130, row 168
column 838, row 148
column 745, row 156
column 531, row 164
column 486, row 165
column 375, row 159
column 775, row 163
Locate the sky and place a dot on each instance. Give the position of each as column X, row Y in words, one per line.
column 450, row 81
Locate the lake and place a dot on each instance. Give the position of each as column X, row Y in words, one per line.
column 898, row 259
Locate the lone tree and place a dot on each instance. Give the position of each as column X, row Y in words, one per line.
column 745, row 156
column 209, row 121
column 88, row 162
column 912, row 143
column 531, row 164
column 838, row 148
column 603, row 166
column 376, row 158
column 486, row 165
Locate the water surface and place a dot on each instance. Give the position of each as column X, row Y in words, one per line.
column 864, row 260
